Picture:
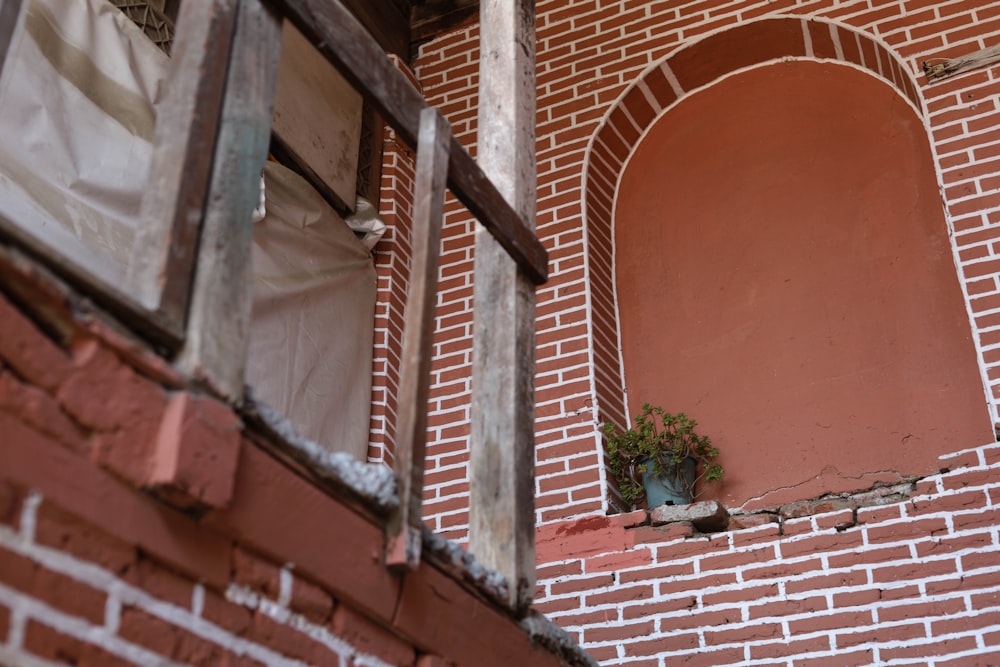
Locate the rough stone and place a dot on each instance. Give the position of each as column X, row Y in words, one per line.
column 708, row 516
column 811, row 507
column 196, row 452
column 741, row 521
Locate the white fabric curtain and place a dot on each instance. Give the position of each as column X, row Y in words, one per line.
column 312, row 331
column 76, row 116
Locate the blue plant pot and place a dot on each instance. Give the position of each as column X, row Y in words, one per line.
column 667, row 489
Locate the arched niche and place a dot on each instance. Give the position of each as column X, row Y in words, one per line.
column 783, row 275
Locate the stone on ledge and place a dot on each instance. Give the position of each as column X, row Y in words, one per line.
column 708, row 516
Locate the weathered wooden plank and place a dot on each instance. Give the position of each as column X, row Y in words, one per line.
column 403, row 531
column 219, row 317
column 10, row 11
column 317, row 115
column 23, row 278
column 346, row 44
column 475, row 189
column 502, row 456
column 187, row 125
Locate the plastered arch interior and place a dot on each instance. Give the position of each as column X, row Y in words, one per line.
column 840, row 419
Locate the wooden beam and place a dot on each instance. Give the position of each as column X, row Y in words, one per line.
column 219, row 318
column 502, row 456
column 166, row 243
column 404, row 528
column 431, row 18
column 388, row 22
column 346, row 44
column 10, row 12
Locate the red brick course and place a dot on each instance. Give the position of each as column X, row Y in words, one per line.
column 817, row 590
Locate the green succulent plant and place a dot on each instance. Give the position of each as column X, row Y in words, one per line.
column 659, row 442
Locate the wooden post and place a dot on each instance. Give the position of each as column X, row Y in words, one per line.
column 502, row 457
column 404, row 528
column 166, row 243
column 10, row 11
column 219, row 316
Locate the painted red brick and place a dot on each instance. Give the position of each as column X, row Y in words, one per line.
column 618, row 632
column 39, row 410
column 919, row 609
column 432, row 661
column 796, row 646
column 674, row 641
column 232, row 617
column 618, row 561
column 885, row 633
column 31, row 354
column 10, row 503
column 962, row 624
column 371, row 638
column 839, row 659
column 778, row 570
column 767, row 531
column 661, row 89
column 166, row 639
column 664, row 533
column 756, row 593
column 981, row 658
column 53, row 588
column 618, row 595
column 895, row 552
column 820, row 580
column 311, row 601
column 657, row 572
column 827, row 622
column 738, row 559
column 747, row 633
column 62, row 530
column 196, row 451
column 553, row 607
column 45, row 642
column 742, row 46
column 938, row 646
column 4, row 621
column 160, row 582
column 710, row 658
column 821, row 543
column 902, row 530
column 788, row 607
column 288, row 641
column 697, row 583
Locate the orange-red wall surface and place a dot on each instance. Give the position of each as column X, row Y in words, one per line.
column 784, row 276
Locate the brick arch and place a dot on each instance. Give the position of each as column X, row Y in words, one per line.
column 686, row 70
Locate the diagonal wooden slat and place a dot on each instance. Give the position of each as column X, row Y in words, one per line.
column 348, row 46
column 404, row 528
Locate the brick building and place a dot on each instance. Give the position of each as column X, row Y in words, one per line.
column 765, row 214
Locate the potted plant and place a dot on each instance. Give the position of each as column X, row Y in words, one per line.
column 660, row 457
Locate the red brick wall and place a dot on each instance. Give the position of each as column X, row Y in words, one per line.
column 853, row 581
column 646, row 595
column 392, row 257
column 140, row 524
